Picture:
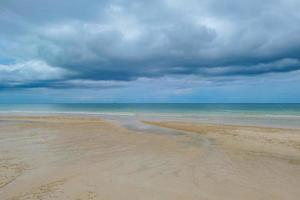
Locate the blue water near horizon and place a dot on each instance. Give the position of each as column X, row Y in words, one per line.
column 289, row 109
column 132, row 114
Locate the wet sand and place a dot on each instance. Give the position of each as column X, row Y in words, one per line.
column 83, row 157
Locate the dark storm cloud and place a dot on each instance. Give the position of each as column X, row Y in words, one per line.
column 124, row 40
column 65, row 84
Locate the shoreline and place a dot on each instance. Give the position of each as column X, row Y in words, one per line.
column 271, row 121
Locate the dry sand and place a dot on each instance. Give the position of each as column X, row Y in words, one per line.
column 63, row 157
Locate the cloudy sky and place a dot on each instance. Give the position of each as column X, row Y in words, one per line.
column 149, row 51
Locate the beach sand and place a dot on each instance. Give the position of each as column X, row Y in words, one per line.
column 85, row 158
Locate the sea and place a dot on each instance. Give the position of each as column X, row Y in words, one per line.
column 263, row 114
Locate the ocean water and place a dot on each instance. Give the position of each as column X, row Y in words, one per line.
column 282, row 115
column 160, row 108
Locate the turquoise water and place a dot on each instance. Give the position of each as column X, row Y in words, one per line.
column 274, row 115
column 171, row 109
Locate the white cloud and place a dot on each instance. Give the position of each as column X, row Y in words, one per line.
column 33, row 70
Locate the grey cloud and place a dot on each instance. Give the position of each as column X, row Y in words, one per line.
column 283, row 65
column 124, row 40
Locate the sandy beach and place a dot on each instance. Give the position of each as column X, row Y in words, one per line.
column 85, row 158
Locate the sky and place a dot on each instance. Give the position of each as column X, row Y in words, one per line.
column 212, row 51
